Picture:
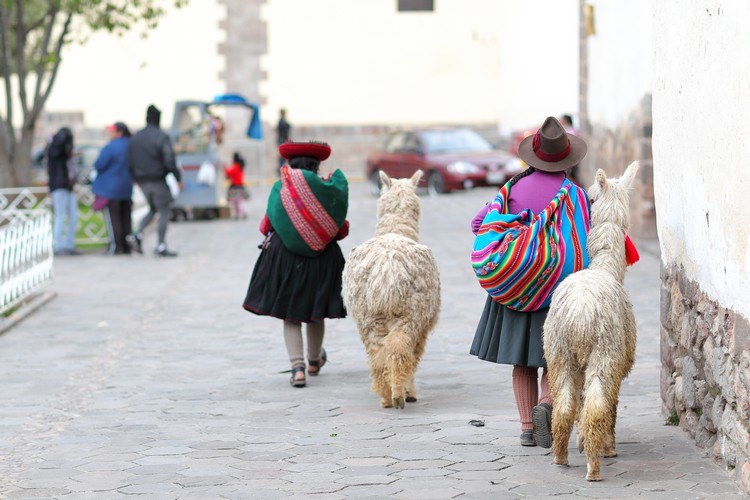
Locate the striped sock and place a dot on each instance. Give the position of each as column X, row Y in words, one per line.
column 525, row 390
column 546, row 397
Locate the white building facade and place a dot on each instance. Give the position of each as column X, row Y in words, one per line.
column 701, row 121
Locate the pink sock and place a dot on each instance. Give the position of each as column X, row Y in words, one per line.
column 546, row 397
column 525, row 390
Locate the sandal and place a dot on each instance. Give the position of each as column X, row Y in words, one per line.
column 317, row 364
column 295, row 382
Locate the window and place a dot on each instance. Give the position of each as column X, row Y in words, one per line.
column 396, row 143
column 416, row 5
column 411, row 144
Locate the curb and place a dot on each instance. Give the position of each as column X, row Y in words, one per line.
column 27, row 307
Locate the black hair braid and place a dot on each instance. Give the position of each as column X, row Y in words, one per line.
column 530, row 170
column 305, row 163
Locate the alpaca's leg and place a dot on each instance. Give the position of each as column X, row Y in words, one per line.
column 411, row 391
column 381, row 384
column 610, row 446
column 565, row 385
column 411, row 388
column 401, row 362
column 597, row 418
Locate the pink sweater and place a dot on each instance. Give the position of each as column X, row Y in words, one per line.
column 534, row 192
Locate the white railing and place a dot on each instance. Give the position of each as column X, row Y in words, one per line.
column 25, row 255
column 19, row 203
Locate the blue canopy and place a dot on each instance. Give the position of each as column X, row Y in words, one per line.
column 254, row 130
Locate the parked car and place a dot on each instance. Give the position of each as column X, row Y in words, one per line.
column 451, row 158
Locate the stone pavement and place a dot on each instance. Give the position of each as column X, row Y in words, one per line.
column 146, row 378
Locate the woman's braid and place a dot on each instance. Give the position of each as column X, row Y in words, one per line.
column 518, row 177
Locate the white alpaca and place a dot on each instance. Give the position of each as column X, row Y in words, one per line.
column 391, row 287
column 590, row 331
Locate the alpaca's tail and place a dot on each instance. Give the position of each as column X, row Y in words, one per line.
column 401, row 362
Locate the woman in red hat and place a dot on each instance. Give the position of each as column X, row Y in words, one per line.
column 509, row 336
column 297, row 277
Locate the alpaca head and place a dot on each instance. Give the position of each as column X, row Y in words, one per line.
column 610, row 198
column 399, row 206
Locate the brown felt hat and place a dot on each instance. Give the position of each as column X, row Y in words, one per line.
column 552, row 149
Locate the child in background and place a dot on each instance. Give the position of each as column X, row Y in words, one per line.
column 237, row 192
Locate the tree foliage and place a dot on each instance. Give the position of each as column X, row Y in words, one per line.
column 32, row 36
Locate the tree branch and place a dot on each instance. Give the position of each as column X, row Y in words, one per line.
column 35, row 24
column 9, row 135
column 39, row 104
column 41, row 63
column 20, row 59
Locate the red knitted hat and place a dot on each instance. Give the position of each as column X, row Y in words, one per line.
column 319, row 150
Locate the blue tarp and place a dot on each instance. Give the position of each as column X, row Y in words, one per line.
column 255, row 130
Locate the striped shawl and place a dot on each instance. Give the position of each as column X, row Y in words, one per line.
column 306, row 211
column 519, row 259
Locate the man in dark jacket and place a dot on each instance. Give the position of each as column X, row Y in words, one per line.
column 61, row 177
column 151, row 158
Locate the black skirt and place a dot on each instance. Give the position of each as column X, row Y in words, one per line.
column 510, row 337
column 296, row 288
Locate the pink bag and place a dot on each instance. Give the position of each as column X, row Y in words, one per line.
column 99, row 203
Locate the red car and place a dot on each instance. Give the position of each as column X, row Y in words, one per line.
column 451, row 158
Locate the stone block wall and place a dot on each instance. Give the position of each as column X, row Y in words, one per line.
column 705, row 376
column 613, row 149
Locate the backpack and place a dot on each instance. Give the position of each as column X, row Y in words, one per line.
column 519, row 259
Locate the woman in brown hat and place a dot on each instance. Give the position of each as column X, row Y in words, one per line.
column 297, row 277
column 509, row 336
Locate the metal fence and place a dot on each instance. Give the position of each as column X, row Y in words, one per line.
column 19, row 203
column 26, row 244
column 25, row 257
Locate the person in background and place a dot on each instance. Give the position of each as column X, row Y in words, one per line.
column 115, row 184
column 512, row 337
column 61, row 174
column 297, row 277
column 150, row 159
column 237, row 192
column 567, row 122
column 283, row 133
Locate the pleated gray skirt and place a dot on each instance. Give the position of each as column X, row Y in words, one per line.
column 510, row 337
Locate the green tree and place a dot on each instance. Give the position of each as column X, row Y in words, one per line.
column 32, row 36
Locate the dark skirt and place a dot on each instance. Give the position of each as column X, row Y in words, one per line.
column 510, row 337
column 291, row 287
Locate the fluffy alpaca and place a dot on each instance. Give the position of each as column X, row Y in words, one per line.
column 391, row 287
column 590, row 332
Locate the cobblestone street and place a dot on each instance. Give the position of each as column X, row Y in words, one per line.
column 145, row 377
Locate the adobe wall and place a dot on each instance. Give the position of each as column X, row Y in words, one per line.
column 701, row 177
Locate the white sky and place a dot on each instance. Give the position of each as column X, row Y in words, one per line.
column 112, row 78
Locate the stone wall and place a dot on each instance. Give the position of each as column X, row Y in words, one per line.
column 613, row 149
column 705, row 377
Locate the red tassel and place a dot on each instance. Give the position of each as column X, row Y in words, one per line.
column 631, row 253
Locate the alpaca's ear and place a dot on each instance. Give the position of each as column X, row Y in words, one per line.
column 415, row 178
column 628, row 178
column 385, row 179
column 601, row 179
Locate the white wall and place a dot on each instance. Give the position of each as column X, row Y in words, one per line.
column 701, row 151
column 620, row 60
column 343, row 61
column 112, row 78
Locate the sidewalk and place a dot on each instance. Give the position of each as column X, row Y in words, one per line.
column 146, row 378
